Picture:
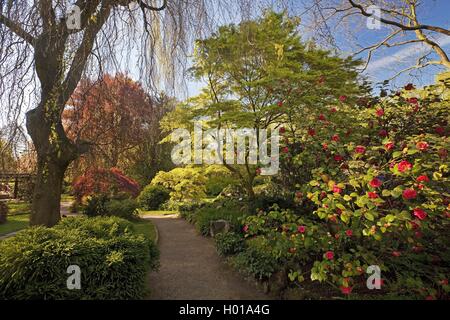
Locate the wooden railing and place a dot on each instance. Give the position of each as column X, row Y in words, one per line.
column 6, row 177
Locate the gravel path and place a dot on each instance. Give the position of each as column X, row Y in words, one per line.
column 191, row 269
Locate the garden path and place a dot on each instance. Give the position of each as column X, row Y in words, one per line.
column 191, row 268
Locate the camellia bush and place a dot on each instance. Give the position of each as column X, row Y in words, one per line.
column 372, row 184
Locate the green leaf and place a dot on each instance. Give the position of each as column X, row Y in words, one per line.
column 437, row 175
column 369, row 216
column 314, row 183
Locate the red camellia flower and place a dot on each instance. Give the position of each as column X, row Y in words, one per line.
column 338, row 158
column 420, row 214
column 404, row 165
column 422, row 145
column 375, row 183
column 423, row 178
column 329, row 255
column 322, row 117
column 380, row 112
column 417, row 249
column 342, row 98
column 372, row 195
column 335, row 138
column 413, row 100
column 382, row 133
column 443, row 153
column 321, row 79
column 336, row 189
column 245, row 228
column 440, row 130
column 409, row 194
column 333, row 109
column 444, row 282
column 301, row 229
column 396, row 253
column 282, row 130
column 389, row 146
column 349, row 233
column 360, row 149
column 312, row 132
column 409, row 86
column 346, row 290
column 280, row 103
column 285, row 150
column 324, row 146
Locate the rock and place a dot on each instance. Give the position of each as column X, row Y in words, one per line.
column 218, row 226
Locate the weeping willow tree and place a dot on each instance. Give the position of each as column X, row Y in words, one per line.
column 47, row 46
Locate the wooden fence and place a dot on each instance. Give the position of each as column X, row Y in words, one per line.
column 16, row 178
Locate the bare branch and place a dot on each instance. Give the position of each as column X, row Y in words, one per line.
column 17, row 29
column 398, row 24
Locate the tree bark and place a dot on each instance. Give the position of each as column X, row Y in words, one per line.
column 54, row 152
column 47, row 193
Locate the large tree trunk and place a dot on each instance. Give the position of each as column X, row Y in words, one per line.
column 47, row 193
column 55, row 152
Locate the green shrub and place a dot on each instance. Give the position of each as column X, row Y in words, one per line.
column 113, row 260
column 101, row 205
column 204, row 216
column 96, row 205
column 153, row 196
column 217, row 183
column 229, row 243
column 126, row 209
column 256, row 260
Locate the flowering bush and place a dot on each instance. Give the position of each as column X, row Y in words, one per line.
column 373, row 190
column 103, row 181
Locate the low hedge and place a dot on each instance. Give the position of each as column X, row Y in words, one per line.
column 114, row 261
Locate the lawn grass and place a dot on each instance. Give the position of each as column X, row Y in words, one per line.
column 15, row 223
column 146, row 228
column 18, row 217
column 18, row 208
column 143, row 213
column 67, row 198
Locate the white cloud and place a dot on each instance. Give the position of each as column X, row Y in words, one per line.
column 405, row 55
